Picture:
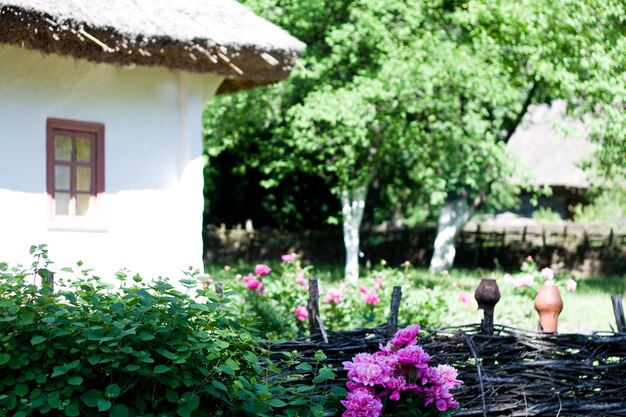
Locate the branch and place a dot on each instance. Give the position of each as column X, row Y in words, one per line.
column 511, row 126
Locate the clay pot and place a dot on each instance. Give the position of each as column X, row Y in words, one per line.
column 549, row 305
column 487, row 295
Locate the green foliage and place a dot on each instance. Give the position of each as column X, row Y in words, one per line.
column 343, row 305
column 545, row 214
column 140, row 349
column 416, row 99
column 608, row 205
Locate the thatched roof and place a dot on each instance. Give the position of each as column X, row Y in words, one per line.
column 219, row 36
column 552, row 146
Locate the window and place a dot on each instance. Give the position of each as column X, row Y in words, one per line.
column 75, row 169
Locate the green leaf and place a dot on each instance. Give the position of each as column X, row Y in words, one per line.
column 21, row 390
column 320, row 356
column 75, row 380
column 172, row 396
column 4, row 358
column 304, row 367
column 132, row 367
column 219, row 385
column 120, row 410
column 161, row 369
column 37, row 340
column 72, row 411
column 112, row 391
column 274, row 402
column 325, row 374
column 91, row 397
column 166, row 353
column 104, row 405
column 54, row 399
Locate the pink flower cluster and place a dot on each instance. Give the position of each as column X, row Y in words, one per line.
column 289, row 257
column 370, row 297
column 525, row 280
column 252, row 280
column 301, row 313
column 333, row 295
column 399, row 368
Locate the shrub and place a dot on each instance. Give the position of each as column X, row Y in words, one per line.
column 279, row 297
column 528, row 281
column 141, row 349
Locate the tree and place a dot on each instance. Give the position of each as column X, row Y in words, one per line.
column 336, row 116
column 571, row 50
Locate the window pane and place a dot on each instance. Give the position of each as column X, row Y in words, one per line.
column 63, row 148
column 83, row 149
column 62, row 204
column 62, row 177
column 82, row 204
column 83, row 179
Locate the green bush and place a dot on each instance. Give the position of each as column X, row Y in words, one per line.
column 279, row 299
column 139, row 349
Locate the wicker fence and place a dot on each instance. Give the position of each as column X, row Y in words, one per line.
column 510, row 372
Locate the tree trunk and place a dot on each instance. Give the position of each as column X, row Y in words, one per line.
column 352, row 207
column 453, row 216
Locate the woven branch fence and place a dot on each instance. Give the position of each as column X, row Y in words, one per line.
column 510, row 372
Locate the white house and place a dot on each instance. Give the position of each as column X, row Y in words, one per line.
column 101, row 123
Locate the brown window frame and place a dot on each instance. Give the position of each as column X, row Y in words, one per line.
column 72, row 128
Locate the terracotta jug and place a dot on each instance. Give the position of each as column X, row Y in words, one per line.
column 549, row 305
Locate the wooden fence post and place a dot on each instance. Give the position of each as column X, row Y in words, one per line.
column 219, row 289
column 314, row 307
column 392, row 326
column 49, row 279
column 618, row 309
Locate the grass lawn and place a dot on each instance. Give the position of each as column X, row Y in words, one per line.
column 586, row 310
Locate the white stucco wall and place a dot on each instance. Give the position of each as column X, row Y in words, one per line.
column 153, row 201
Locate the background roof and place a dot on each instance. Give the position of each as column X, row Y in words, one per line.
column 552, row 147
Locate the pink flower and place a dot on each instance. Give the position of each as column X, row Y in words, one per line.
column 449, row 375
column 227, row 268
column 333, row 295
column 524, row 281
column 405, row 337
column 372, row 299
column 507, row 277
column 378, row 282
column 445, row 272
column 300, row 280
column 571, row 285
column 237, row 277
column 366, row 373
column 301, row 313
column 261, row 270
column 363, row 290
column 465, row 298
column 362, row 402
column 252, row 282
column 529, row 258
column 289, row 257
column 406, row 264
column 413, row 356
column 547, row 273
column 395, row 386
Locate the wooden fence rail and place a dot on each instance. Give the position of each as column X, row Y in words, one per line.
column 590, row 250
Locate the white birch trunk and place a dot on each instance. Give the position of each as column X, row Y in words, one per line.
column 352, row 207
column 453, row 216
